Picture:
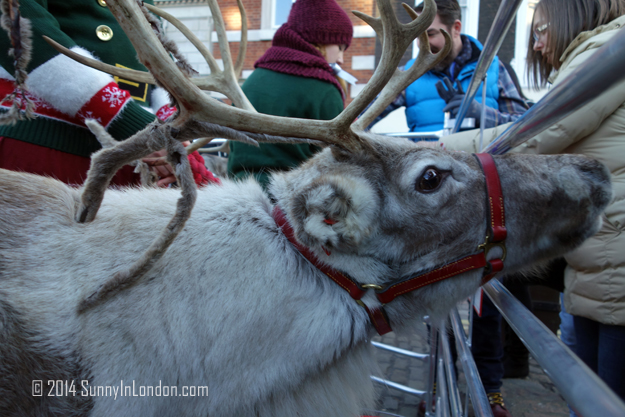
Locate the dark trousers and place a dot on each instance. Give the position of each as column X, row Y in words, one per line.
column 488, row 340
column 601, row 347
column 487, row 345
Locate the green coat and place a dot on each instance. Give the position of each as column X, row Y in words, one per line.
column 286, row 95
column 74, row 23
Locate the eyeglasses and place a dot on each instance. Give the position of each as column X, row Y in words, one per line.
column 539, row 31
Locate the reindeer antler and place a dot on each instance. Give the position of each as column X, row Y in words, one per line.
column 202, row 116
column 402, row 79
column 20, row 33
column 397, row 37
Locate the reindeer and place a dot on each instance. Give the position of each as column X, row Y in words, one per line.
column 265, row 306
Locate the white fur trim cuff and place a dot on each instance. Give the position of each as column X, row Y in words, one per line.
column 66, row 84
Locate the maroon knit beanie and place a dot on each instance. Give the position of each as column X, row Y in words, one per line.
column 321, row 22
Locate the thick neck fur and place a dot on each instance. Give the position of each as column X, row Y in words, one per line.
column 188, row 310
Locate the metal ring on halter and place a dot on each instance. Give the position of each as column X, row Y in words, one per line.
column 372, row 287
column 487, row 246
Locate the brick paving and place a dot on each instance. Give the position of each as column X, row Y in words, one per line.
column 534, row 396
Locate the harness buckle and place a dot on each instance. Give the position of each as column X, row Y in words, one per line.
column 372, row 287
column 488, row 245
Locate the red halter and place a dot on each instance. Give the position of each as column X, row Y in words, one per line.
column 496, row 237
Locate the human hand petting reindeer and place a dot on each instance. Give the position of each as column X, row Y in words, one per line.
column 269, row 305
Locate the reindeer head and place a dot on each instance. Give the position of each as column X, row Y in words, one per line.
column 402, row 210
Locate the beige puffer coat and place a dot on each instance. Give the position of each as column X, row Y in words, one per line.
column 595, row 277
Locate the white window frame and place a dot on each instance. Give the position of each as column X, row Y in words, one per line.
column 268, row 13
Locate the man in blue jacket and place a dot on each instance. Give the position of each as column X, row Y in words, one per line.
column 427, row 99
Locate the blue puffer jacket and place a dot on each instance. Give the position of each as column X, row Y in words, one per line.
column 424, row 107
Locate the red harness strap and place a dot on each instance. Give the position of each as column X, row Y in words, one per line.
column 377, row 316
column 466, row 264
column 497, row 235
column 495, row 197
column 497, row 223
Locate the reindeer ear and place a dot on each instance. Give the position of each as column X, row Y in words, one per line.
column 335, row 213
column 340, row 154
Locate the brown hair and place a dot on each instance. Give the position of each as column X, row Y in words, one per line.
column 448, row 11
column 324, row 53
column 567, row 19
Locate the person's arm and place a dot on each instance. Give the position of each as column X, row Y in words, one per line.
column 511, row 103
column 559, row 136
column 581, row 123
column 75, row 90
column 329, row 106
column 399, row 101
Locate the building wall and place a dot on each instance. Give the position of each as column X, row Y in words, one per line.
column 197, row 17
column 488, row 10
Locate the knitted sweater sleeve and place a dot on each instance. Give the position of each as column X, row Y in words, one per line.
column 66, row 90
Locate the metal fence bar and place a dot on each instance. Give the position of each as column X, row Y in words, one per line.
column 429, row 397
column 399, row 387
column 442, row 396
column 481, row 406
column 410, row 354
column 584, row 84
column 417, row 136
column 577, row 383
column 501, row 24
column 452, row 381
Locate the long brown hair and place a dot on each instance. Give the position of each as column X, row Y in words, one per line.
column 567, row 19
column 342, row 82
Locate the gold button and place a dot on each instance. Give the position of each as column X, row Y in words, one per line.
column 102, row 3
column 104, row 32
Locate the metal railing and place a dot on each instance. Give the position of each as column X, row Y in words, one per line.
column 577, row 383
column 501, row 24
column 583, row 390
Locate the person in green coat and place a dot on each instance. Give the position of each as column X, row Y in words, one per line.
column 294, row 79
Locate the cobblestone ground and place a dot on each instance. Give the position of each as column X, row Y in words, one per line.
column 534, row 396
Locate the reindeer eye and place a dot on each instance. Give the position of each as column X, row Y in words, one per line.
column 430, row 180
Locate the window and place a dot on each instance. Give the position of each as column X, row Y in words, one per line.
column 280, row 12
